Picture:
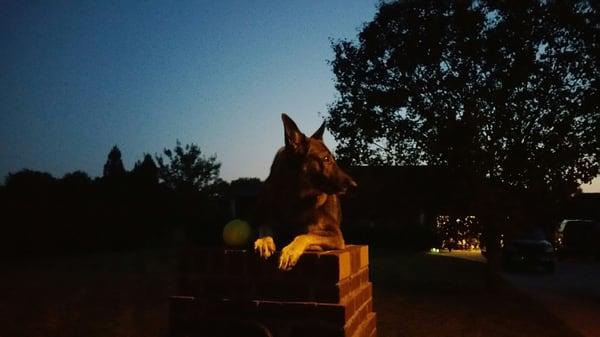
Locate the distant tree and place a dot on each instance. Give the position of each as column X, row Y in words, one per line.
column 184, row 168
column 244, row 196
column 77, row 182
column 145, row 171
column 218, row 189
column 76, row 178
column 29, row 181
column 113, row 168
column 502, row 93
column 246, row 182
column 246, row 187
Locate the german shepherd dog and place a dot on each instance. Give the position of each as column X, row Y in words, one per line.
column 300, row 205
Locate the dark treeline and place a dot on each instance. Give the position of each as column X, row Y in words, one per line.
column 162, row 201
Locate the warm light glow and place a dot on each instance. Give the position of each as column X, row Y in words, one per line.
column 459, row 232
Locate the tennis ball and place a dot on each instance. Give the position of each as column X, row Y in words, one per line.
column 236, row 233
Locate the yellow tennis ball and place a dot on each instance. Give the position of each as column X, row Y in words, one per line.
column 236, row 233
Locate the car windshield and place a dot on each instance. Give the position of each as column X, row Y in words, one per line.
column 573, row 223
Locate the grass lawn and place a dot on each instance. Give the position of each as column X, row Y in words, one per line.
column 125, row 294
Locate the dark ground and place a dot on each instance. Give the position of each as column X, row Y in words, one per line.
column 423, row 295
column 125, row 294
column 571, row 293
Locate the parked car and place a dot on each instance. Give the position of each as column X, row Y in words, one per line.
column 579, row 238
column 529, row 250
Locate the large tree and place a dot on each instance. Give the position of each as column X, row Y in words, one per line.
column 501, row 92
column 186, row 169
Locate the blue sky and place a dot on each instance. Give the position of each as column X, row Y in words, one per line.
column 77, row 77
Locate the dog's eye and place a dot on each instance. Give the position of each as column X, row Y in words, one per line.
column 327, row 159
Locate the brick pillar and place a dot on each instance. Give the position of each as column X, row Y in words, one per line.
column 235, row 293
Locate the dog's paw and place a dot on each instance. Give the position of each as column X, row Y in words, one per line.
column 265, row 246
column 290, row 254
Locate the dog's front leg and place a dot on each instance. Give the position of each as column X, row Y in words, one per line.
column 264, row 245
column 292, row 252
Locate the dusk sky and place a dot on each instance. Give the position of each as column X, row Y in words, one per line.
column 78, row 77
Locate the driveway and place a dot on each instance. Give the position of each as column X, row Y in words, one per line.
column 572, row 293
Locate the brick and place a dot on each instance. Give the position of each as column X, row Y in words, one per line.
column 194, row 259
column 344, row 288
column 372, row 322
column 236, row 263
column 364, row 294
column 367, row 327
column 215, row 288
column 218, row 263
column 202, row 260
column 241, row 289
column 359, row 309
column 307, row 266
column 356, row 299
column 364, row 275
column 329, row 293
column 309, row 312
column 181, row 316
column 283, row 291
column 326, row 294
column 334, row 265
column 364, row 256
column 266, row 267
column 191, row 284
column 356, row 321
column 354, row 283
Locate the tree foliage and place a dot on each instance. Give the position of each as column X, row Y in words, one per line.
column 185, row 168
column 113, row 168
column 27, row 182
column 145, row 171
column 507, row 91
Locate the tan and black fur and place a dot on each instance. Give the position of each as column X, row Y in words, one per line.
column 300, row 206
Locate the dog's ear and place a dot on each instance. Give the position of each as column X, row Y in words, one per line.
column 319, row 133
column 294, row 139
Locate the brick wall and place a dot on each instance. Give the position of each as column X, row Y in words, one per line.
column 231, row 293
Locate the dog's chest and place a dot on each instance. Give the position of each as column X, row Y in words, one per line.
column 307, row 211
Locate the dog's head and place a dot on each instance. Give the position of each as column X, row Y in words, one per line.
column 314, row 160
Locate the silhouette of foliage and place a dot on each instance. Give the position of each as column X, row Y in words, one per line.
column 76, row 178
column 186, row 169
column 145, row 171
column 504, row 91
column 122, row 210
column 244, row 194
column 246, row 183
column 219, row 188
column 114, row 165
column 30, row 182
